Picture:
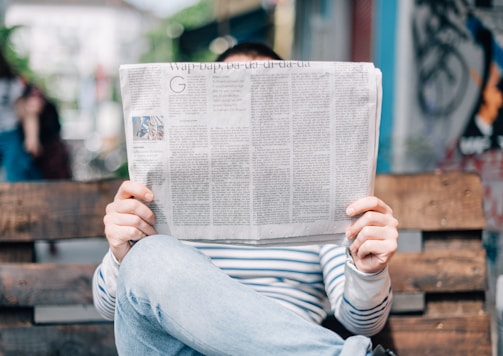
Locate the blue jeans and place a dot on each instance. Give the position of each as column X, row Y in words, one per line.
column 18, row 164
column 172, row 300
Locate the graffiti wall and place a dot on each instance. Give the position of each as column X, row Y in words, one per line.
column 457, row 110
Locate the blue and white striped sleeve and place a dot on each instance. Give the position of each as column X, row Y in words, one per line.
column 105, row 286
column 360, row 301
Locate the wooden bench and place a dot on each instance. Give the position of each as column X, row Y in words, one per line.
column 49, row 211
column 439, row 277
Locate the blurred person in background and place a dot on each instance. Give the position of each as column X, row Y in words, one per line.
column 19, row 128
column 51, row 156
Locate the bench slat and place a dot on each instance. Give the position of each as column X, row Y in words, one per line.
column 439, row 271
column 447, row 201
column 468, row 335
column 30, row 284
column 54, row 210
column 452, row 304
column 59, row 340
column 432, row 271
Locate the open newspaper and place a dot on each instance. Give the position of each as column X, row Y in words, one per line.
column 263, row 152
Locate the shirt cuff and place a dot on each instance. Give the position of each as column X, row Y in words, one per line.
column 110, row 270
column 366, row 289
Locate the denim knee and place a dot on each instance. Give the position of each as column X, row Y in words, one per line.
column 152, row 261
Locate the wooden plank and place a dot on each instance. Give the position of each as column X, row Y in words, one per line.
column 468, row 335
column 16, row 252
column 455, row 304
column 432, row 271
column 54, row 209
column 95, row 339
column 45, row 284
column 439, row 271
column 440, row 201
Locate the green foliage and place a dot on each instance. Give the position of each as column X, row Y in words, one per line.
column 163, row 47
column 196, row 15
column 18, row 62
column 122, row 171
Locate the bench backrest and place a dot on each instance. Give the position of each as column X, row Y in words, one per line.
column 49, row 211
column 438, row 276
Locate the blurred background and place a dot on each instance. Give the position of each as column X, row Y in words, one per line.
column 432, row 54
column 438, row 57
column 441, row 60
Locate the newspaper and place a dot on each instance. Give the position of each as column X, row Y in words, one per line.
column 262, row 152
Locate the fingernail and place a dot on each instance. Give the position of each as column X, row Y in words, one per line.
column 350, row 211
column 149, row 196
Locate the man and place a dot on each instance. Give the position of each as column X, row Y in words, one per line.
column 177, row 298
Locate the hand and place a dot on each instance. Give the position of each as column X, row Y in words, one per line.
column 32, row 145
column 127, row 218
column 374, row 234
column 28, row 111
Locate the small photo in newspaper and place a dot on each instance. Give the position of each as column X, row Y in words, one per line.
column 148, row 128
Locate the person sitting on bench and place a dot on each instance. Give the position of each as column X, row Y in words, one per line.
column 181, row 298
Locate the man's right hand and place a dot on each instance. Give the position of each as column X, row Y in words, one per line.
column 128, row 218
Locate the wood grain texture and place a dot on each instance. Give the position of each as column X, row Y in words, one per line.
column 439, row 271
column 457, row 335
column 450, row 270
column 443, row 201
column 24, row 284
column 54, row 210
column 74, row 340
column 31, row 284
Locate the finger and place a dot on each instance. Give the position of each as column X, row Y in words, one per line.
column 368, row 232
column 377, row 233
column 138, row 225
column 119, row 236
column 366, row 204
column 382, row 248
column 130, row 189
column 371, row 218
column 133, row 207
column 373, row 255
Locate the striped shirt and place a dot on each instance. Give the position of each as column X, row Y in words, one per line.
column 310, row 280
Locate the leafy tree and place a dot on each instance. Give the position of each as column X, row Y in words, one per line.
column 163, row 45
column 18, row 62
